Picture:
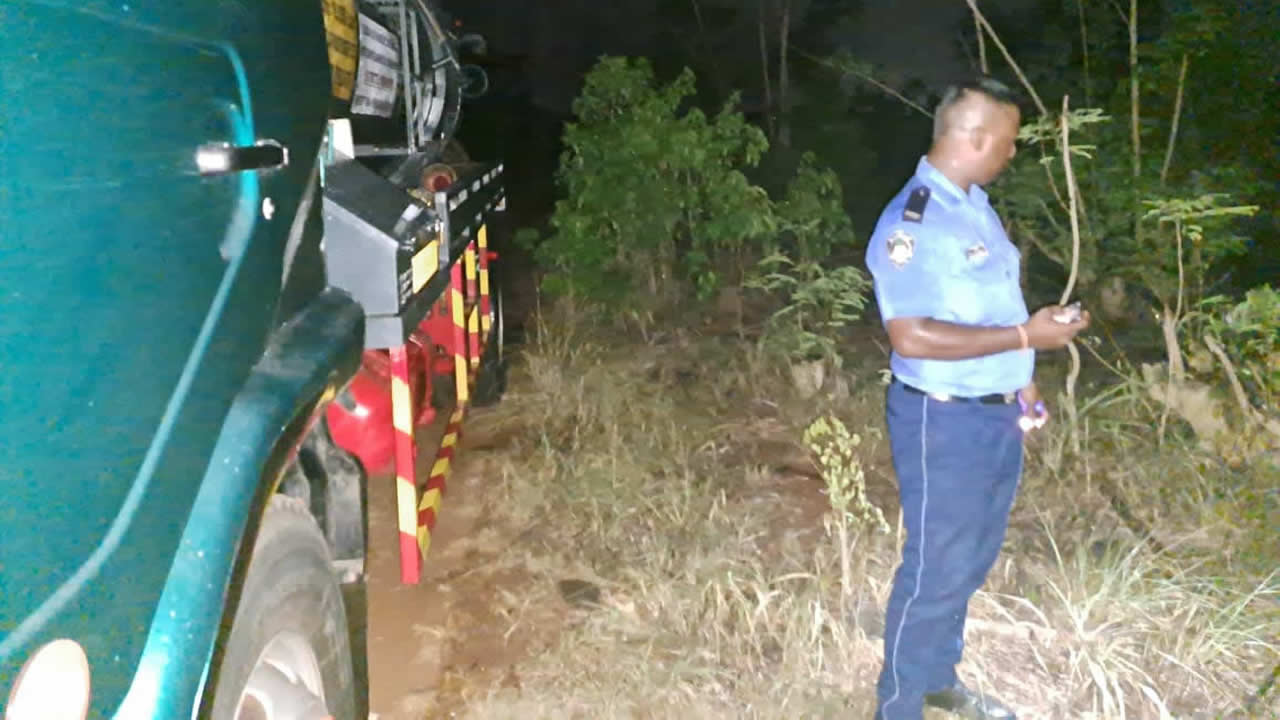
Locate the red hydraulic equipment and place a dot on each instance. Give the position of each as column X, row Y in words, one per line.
column 432, row 327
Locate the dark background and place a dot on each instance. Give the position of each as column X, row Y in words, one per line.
column 540, row 50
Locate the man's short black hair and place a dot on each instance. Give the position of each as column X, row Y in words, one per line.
column 983, row 85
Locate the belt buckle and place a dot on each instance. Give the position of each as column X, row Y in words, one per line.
column 940, row 397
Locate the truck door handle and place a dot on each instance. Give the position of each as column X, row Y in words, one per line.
column 222, row 158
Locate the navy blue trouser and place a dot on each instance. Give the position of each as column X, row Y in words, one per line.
column 958, row 465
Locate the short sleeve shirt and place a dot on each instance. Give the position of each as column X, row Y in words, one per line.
column 941, row 253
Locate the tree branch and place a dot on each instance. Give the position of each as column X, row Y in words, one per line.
column 1084, row 47
column 1073, row 374
column 784, row 80
column 1177, row 114
column 973, row 5
column 1035, row 240
column 982, row 46
column 764, row 69
column 864, row 76
column 1072, row 193
column 1251, row 413
column 1048, row 215
column 1053, row 184
column 1133, row 88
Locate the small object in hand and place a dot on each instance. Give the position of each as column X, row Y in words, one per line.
column 1026, row 423
column 1069, row 314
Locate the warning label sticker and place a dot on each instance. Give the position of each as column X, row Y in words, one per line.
column 340, row 30
column 378, row 73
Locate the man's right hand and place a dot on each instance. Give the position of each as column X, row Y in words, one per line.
column 1045, row 333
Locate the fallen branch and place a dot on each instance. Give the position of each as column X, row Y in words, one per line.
column 1251, row 414
column 1020, row 630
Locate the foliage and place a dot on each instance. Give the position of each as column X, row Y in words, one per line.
column 1248, row 332
column 811, row 216
column 1138, row 203
column 1032, row 193
column 1136, row 186
column 656, row 200
column 818, row 303
column 839, row 455
column 817, row 300
column 1169, row 268
column 653, row 193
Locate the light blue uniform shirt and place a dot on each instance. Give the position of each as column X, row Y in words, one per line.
column 948, row 258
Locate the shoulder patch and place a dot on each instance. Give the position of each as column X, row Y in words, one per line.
column 901, row 246
column 914, row 210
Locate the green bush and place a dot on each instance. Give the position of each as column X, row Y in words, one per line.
column 657, row 204
column 654, row 193
column 817, row 305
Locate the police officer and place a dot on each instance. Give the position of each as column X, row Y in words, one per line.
column 946, row 281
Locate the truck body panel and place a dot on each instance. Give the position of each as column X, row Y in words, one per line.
column 136, row 297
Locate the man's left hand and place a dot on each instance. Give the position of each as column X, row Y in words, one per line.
column 1034, row 413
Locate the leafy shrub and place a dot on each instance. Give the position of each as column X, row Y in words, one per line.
column 818, row 303
column 657, row 203
column 655, row 194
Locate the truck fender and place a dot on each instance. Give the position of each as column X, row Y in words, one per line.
column 307, row 361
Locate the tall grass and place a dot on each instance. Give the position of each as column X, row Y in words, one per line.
column 672, row 474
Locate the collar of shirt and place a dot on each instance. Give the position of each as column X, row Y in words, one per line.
column 948, row 192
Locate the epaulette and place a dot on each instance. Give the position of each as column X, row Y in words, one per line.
column 914, row 210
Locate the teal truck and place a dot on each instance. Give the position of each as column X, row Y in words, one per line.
column 236, row 263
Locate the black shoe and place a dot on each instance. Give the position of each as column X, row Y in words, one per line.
column 960, row 700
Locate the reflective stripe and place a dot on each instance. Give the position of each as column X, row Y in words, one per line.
column 924, row 505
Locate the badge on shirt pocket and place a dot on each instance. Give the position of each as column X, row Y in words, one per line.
column 976, row 253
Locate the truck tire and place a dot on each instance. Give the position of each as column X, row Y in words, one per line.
column 491, row 377
column 288, row 653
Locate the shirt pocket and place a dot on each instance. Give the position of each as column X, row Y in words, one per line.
column 983, row 285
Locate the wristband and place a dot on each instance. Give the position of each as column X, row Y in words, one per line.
column 1022, row 335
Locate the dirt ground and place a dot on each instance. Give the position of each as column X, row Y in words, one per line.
column 480, row 608
column 431, row 645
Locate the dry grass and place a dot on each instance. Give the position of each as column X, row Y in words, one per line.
column 670, row 474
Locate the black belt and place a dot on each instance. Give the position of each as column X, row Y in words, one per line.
column 992, row 399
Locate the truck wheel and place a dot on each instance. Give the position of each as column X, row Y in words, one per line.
column 288, row 654
column 491, row 378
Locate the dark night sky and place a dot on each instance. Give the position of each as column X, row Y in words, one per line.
column 552, row 43
column 916, row 46
column 561, row 38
